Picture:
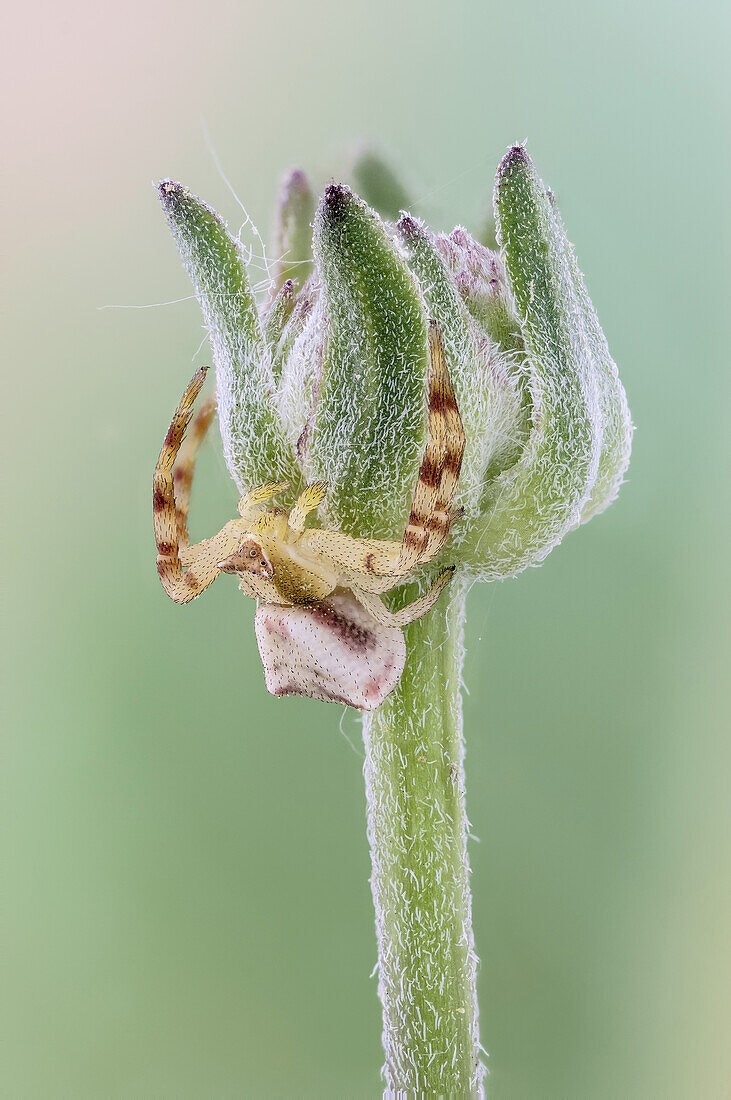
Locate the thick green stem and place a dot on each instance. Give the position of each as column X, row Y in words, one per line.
column 417, row 828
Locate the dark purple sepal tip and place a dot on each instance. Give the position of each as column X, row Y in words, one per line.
column 336, row 199
column 516, row 158
column 408, row 228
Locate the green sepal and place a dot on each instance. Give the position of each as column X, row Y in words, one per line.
column 370, row 421
column 531, row 506
column 276, row 321
column 292, row 230
column 254, row 444
column 615, row 420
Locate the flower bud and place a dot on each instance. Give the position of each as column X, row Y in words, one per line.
column 482, row 284
column 329, row 382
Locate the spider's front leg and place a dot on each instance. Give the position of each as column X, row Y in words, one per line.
column 170, row 520
column 307, row 502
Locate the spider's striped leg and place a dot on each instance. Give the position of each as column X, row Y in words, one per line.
column 183, row 586
column 185, row 465
column 375, row 607
column 431, row 509
column 202, row 561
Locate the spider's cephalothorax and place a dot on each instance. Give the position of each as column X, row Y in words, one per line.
column 276, row 560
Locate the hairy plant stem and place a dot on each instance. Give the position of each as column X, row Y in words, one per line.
column 417, row 828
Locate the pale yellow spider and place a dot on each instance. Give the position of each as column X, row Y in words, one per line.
column 276, row 559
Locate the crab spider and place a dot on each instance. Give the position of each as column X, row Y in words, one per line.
column 276, row 559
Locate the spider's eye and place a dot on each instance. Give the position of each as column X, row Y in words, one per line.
column 253, row 553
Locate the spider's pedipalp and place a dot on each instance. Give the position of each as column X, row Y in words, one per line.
column 430, row 519
column 259, row 494
column 306, row 502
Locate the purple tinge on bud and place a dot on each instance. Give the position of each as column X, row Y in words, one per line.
column 335, row 201
column 295, row 182
column 334, row 651
column 478, row 271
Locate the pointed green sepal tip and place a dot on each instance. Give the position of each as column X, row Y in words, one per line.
column 215, row 264
column 254, row 444
column 555, row 299
column 292, row 230
column 533, row 254
column 279, row 312
column 578, row 447
column 370, row 420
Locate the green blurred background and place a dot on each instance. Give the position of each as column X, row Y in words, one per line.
column 188, row 911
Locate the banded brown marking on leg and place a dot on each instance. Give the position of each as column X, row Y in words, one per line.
column 430, row 517
column 165, row 519
column 185, row 466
